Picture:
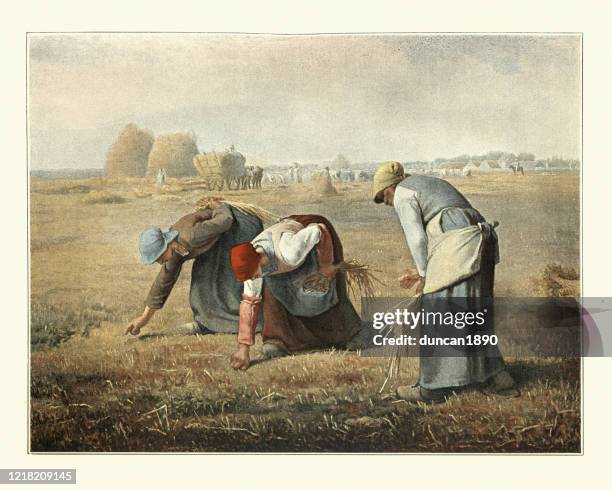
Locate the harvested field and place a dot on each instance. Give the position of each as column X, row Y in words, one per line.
column 94, row 389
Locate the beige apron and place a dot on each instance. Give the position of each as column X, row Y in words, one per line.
column 453, row 255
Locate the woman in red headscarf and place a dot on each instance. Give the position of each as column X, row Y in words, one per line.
column 277, row 266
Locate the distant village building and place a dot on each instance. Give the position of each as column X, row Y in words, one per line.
column 451, row 169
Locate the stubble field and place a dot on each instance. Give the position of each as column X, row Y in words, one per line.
column 95, row 389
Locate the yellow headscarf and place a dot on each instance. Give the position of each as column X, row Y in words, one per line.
column 389, row 173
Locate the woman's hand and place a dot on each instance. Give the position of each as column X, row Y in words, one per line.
column 412, row 278
column 240, row 359
column 135, row 325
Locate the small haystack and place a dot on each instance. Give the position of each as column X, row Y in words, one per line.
column 140, row 193
column 322, row 185
column 173, row 152
column 557, row 281
column 129, row 154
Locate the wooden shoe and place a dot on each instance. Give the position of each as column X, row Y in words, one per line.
column 270, row 351
column 414, row 394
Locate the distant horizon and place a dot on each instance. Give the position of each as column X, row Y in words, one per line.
column 321, row 162
column 305, row 98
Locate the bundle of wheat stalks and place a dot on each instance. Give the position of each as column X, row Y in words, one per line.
column 396, row 331
column 247, row 208
column 360, row 279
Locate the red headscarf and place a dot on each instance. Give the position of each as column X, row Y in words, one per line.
column 245, row 261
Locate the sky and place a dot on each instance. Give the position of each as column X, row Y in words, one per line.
column 305, row 98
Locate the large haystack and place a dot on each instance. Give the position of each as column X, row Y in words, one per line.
column 129, row 154
column 173, row 152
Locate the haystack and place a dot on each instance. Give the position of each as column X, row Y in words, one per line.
column 322, row 185
column 129, row 154
column 557, row 281
column 173, row 152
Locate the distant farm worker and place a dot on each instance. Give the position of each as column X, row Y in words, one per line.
column 295, row 173
column 206, row 236
column 161, row 177
column 455, row 251
column 276, row 266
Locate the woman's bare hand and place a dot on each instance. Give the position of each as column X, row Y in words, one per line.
column 240, row 359
column 412, row 278
column 135, row 325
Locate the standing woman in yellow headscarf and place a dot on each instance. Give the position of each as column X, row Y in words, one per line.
column 455, row 251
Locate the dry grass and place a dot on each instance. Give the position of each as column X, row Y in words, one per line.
column 103, row 197
column 107, row 392
column 167, row 198
column 60, row 187
column 101, row 391
column 141, row 193
column 53, row 324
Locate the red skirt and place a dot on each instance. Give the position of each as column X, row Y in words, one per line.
column 333, row 328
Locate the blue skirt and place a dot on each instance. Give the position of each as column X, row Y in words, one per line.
column 215, row 293
column 447, row 367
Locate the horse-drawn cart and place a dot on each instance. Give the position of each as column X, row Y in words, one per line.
column 219, row 169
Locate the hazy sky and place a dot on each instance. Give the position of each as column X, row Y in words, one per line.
column 306, row 98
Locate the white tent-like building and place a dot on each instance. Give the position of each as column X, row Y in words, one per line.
column 483, row 167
